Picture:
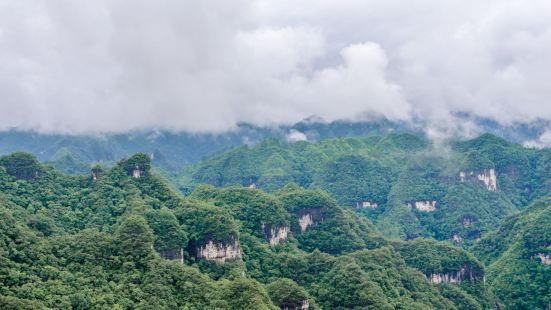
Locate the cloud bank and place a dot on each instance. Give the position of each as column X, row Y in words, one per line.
column 204, row 66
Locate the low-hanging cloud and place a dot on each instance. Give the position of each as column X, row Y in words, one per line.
column 103, row 66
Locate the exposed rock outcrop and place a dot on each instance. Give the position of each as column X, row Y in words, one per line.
column 467, row 222
column 544, row 258
column 221, row 251
column 424, row 206
column 366, row 205
column 487, row 177
column 96, row 172
column 307, row 218
column 457, row 239
column 305, row 221
column 275, row 235
column 462, row 275
column 176, row 254
column 136, row 173
column 305, row 305
column 251, row 182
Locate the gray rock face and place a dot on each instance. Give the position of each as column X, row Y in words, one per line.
column 308, row 218
column 423, row 206
column 305, row 305
column 366, row 205
column 277, row 234
column 544, row 258
column 462, row 275
column 136, row 173
column 220, row 251
column 487, row 177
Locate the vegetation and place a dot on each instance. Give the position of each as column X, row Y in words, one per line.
column 516, row 272
column 75, row 242
column 382, row 177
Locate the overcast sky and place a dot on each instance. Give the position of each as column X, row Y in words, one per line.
column 114, row 65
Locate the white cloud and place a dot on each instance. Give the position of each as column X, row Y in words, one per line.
column 543, row 141
column 295, row 136
column 206, row 65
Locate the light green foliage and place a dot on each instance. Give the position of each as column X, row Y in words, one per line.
column 244, row 294
column 516, row 273
column 355, row 179
column 134, row 238
column 140, row 161
column 69, row 242
column 391, row 171
column 286, row 293
column 168, row 232
column 21, row 165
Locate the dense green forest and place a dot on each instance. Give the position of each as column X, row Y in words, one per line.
column 172, row 151
column 378, row 222
column 519, row 258
column 123, row 238
column 169, row 150
column 457, row 191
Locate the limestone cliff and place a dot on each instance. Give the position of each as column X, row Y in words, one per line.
column 305, row 221
column 462, row 275
column 366, row 205
column 457, row 239
column 137, row 172
column 424, row 206
column 544, row 258
column 275, row 235
column 305, row 305
column 487, row 177
column 219, row 251
column 308, row 218
column 467, row 222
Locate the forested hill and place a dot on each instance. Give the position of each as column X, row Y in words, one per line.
column 407, row 185
column 519, row 257
column 174, row 150
column 171, row 150
column 122, row 238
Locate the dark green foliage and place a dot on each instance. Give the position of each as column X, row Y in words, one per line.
column 354, row 289
column 354, row 179
column 206, row 222
column 516, row 274
column 14, row 303
column 244, row 294
column 272, row 164
column 168, row 232
column 333, row 230
column 286, row 293
column 256, row 210
column 139, row 162
column 75, row 243
column 134, row 238
column 432, row 257
column 475, row 161
column 21, row 165
column 392, row 171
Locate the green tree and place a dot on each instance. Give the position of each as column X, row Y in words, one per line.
column 134, row 238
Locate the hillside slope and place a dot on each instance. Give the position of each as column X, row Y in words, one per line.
column 123, row 238
column 457, row 192
column 519, row 258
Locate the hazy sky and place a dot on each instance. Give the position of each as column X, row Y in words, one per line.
column 113, row 65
